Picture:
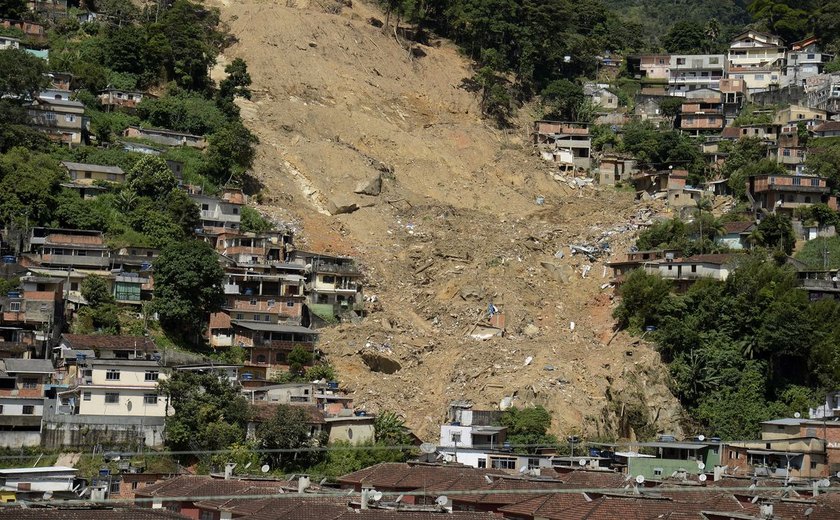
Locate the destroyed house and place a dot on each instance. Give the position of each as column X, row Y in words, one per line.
column 554, row 137
column 166, row 137
column 687, row 270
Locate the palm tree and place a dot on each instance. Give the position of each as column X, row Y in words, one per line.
column 755, row 238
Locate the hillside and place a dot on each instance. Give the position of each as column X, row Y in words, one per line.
column 338, row 103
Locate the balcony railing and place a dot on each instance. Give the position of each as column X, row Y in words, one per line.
column 74, row 260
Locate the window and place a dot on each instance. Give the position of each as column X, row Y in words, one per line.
column 86, row 396
column 150, row 398
column 786, row 153
column 70, row 118
column 693, row 268
column 112, row 374
column 238, row 315
column 206, row 515
column 112, row 398
column 236, row 211
column 657, row 472
column 74, row 286
column 456, row 437
column 813, row 464
column 114, row 486
column 759, row 77
column 533, row 463
column 811, row 56
column 714, row 60
column 815, row 182
column 280, row 357
column 329, row 279
column 14, row 306
column 482, row 463
column 680, row 61
column 267, row 318
column 28, row 409
column 152, row 375
column 135, row 485
column 290, row 303
column 261, row 359
column 30, row 383
column 88, row 175
column 504, row 463
column 205, row 207
column 1, row 409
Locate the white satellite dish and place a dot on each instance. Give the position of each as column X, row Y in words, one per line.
column 825, row 483
column 428, row 448
column 701, row 438
column 582, row 462
column 797, row 415
column 809, row 512
column 247, row 465
column 523, row 469
column 376, row 496
column 838, row 474
column 488, row 479
column 640, row 479
column 323, row 481
column 265, row 468
column 442, row 500
column 701, row 466
column 399, row 499
column 752, row 486
column 755, row 499
column 702, row 477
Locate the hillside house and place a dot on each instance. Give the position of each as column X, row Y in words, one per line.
column 636, row 260
column 86, row 174
column 55, row 94
column 468, row 428
column 63, row 121
column 827, row 129
column 255, row 249
column 61, row 80
column 125, row 99
column 768, row 133
column 268, row 344
column 734, row 93
column 614, row 168
column 600, row 96
column 35, row 314
column 652, row 66
column 805, row 59
column 736, row 234
column 685, row 271
column 220, row 215
column 823, row 92
column 553, row 137
column 680, row 193
column 108, row 346
column 22, row 390
column 789, row 150
column 785, row 193
column 38, row 483
column 681, row 458
column 166, row 137
column 758, row 59
column 702, row 114
column 791, row 115
column 695, row 71
column 68, row 248
column 334, row 285
column 30, row 29
column 7, row 42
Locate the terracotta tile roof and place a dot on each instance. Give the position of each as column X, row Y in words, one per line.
column 545, row 506
column 82, row 513
column 731, row 132
column 206, row 486
column 408, row 477
column 108, row 342
column 298, row 507
column 470, row 482
column 593, row 479
column 828, row 126
column 738, row 227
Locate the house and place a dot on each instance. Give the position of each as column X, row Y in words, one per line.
column 736, row 234
column 35, row 313
column 38, row 483
column 127, row 99
column 683, row 458
column 468, row 428
column 7, row 42
column 680, row 193
column 143, row 148
column 52, row 10
column 22, row 390
column 805, row 60
column 63, row 121
column 269, row 344
column 600, row 96
column 255, row 249
column 111, row 347
column 166, row 137
column 110, row 401
column 827, row 129
column 793, row 114
column 702, row 112
column 647, row 104
column 68, row 248
column 55, row 94
column 334, row 286
column 30, row 29
column 224, row 371
column 823, row 92
column 61, row 80
column 785, row 193
column 170, row 494
column 758, row 59
column 734, row 93
column 220, row 215
column 636, row 260
column 615, row 168
column 400, row 477
column 687, row 270
column 86, row 174
column 265, row 293
column 651, row 66
column 789, row 150
column 554, row 137
column 695, row 71
column 768, row 133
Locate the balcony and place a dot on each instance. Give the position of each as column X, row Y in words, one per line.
column 321, row 266
column 75, row 260
column 219, row 216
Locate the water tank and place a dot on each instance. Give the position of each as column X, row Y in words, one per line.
column 13, row 294
column 247, row 376
column 9, row 259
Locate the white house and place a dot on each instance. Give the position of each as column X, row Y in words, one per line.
column 48, row 479
column 758, row 59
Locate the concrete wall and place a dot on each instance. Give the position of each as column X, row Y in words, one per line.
column 131, row 403
column 16, row 439
column 78, row 431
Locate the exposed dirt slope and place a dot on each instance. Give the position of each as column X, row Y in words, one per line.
column 339, row 103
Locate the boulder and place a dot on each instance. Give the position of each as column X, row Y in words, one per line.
column 379, row 362
column 372, row 187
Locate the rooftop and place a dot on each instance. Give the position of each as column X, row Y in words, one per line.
column 272, row 327
column 108, row 342
column 92, row 167
column 28, row 366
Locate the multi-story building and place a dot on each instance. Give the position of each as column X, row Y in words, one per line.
column 702, row 112
column 333, row 285
column 553, row 138
column 786, row 193
column 789, row 150
column 758, row 59
column 125, row 99
column 653, row 66
column 220, row 215
column 68, row 248
column 33, row 315
column 22, row 384
column 734, row 93
column 87, row 174
column 805, row 60
column 695, row 71
column 254, row 249
column 823, row 92
column 268, row 344
column 7, row 42
column 63, row 121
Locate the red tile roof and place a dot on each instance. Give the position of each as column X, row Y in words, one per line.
column 738, row 227
column 86, row 513
column 828, row 126
column 408, row 477
column 108, row 342
column 207, row 486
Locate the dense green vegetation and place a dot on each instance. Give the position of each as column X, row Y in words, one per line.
column 741, row 351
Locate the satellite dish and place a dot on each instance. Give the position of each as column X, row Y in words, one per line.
column 752, row 486
column 442, row 500
column 488, row 479
column 701, row 438
column 701, row 466
column 399, row 499
column 376, row 496
column 428, row 448
column 323, row 480
column 582, row 462
column 797, row 415
column 523, row 469
column 265, row 468
column 702, row 477
column 640, row 479
column 248, row 465
column 825, row 483
column 754, row 500
column 838, row 474
column 809, row 511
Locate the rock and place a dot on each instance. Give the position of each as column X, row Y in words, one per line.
column 376, row 22
column 341, row 207
column 372, row 187
column 472, row 292
column 531, row 330
column 379, row 362
column 561, row 273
